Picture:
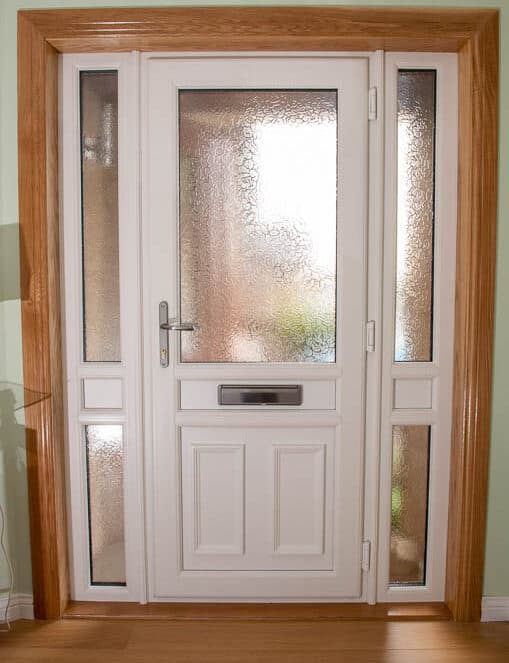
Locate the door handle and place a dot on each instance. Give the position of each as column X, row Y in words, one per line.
column 166, row 326
column 178, row 326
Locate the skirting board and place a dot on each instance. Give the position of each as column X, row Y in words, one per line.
column 495, row 609
column 21, row 606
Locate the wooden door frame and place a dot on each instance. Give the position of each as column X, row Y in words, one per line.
column 472, row 33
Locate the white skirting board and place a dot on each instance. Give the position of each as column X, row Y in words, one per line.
column 21, row 606
column 495, row 609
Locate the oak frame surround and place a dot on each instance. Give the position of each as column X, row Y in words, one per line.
column 472, row 33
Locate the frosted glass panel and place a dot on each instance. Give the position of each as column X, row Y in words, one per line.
column 409, row 506
column 258, row 180
column 416, row 191
column 105, row 457
column 99, row 171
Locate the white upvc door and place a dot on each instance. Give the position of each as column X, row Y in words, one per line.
column 254, row 216
column 286, row 434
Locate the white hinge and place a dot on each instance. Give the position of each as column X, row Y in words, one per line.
column 370, row 336
column 366, row 555
column 372, row 103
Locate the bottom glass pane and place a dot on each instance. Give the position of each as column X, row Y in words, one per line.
column 409, row 504
column 106, row 504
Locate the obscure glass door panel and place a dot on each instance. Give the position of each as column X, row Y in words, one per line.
column 258, row 200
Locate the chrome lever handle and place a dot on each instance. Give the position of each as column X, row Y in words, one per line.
column 178, row 326
column 166, row 326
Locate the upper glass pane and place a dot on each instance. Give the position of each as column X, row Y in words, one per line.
column 415, row 220
column 99, row 194
column 258, row 192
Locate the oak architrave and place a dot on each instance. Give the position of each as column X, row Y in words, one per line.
column 473, row 33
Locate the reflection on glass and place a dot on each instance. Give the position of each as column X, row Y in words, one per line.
column 415, row 220
column 99, row 183
column 258, row 180
column 409, row 504
column 105, row 457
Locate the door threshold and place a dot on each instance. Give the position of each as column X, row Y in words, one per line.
column 258, row 611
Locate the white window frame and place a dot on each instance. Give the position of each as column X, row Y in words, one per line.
column 128, row 370
column 440, row 369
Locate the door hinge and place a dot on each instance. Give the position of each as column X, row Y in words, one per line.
column 373, row 103
column 366, row 555
column 370, row 336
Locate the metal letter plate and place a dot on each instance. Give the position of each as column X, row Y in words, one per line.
column 237, row 394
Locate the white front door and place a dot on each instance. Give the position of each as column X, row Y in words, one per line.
column 254, row 188
column 223, row 456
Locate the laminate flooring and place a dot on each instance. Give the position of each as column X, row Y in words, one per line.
column 226, row 641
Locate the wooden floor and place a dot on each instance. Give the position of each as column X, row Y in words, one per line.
column 224, row 641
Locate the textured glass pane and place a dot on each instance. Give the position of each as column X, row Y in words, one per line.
column 105, row 459
column 99, row 171
column 416, row 171
column 258, row 225
column 409, row 504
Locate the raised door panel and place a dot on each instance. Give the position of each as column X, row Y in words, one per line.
column 257, row 499
column 299, row 499
column 294, row 523
column 213, row 503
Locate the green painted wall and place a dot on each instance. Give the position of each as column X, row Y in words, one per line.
column 12, row 461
